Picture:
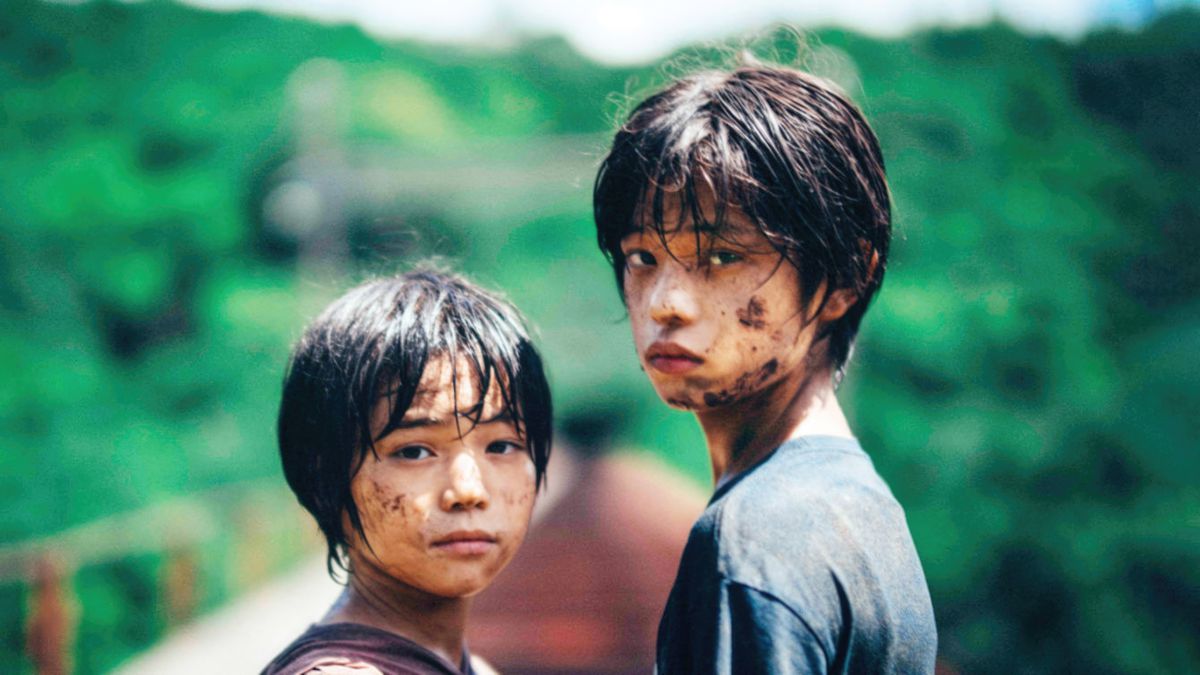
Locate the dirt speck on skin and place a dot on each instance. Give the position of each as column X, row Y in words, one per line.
column 768, row 369
column 684, row 403
column 397, row 503
column 714, row 399
column 753, row 314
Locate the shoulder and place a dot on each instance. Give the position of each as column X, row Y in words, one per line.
column 312, row 658
column 353, row 649
column 338, row 666
column 805, row 547
column 808, row 527
column 821, row 493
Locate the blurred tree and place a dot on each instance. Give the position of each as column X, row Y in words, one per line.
column 1027, row 382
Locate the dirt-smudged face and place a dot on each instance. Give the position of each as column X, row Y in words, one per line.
column 444, row 512
column 715, row 317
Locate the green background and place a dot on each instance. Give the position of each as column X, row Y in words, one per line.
column 1027, row 381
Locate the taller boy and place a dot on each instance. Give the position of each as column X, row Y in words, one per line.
column 746, row 215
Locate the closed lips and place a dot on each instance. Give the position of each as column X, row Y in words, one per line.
column 671, row 358
column 459, row 537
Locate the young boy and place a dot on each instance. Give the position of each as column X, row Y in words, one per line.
column 747, row 218
column 415, row 427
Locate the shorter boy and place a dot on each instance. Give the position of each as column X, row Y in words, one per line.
column 415, row 427
column 747, row 218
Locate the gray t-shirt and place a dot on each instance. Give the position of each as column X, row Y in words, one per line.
column 803, row 564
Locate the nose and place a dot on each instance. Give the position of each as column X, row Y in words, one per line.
column 466, row 489
column 673, row 301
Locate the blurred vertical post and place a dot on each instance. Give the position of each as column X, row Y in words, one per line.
column 180, row 584
column 309, row 205
column 254, row 547
column 53, row 611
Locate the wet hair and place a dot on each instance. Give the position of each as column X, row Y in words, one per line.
column 377, row 340
column 786, row 148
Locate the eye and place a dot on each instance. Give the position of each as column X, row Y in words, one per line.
column 412, row 453
column 723, row 258
column 638, row 258
column 504, row 447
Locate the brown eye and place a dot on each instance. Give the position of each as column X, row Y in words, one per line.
column 504, row 447
column 412, row 453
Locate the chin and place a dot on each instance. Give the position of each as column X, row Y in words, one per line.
column 460, row 589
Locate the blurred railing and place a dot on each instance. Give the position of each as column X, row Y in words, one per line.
column 256, row 525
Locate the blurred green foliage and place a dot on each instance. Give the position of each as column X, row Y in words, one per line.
column 1027, row 382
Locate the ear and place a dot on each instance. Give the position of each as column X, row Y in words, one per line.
column 873, row 265
column 841, row 300
column 837, row 304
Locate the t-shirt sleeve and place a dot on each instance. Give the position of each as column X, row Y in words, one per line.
column 730, row 628
column 766, row 636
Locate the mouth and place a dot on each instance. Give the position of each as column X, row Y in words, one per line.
column 466, row 543
column 671, row 359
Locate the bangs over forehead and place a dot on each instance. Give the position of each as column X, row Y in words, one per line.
column 667, row 167
column 474, row 374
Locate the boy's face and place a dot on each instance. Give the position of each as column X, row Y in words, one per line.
column 717, row 322
column 443, row 512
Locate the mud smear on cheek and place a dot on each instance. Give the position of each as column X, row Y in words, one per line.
column 370, row 502
column 398, row 504
column 742, row 386
column 383, row 502
column 753, row 315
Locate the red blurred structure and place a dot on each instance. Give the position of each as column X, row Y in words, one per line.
column 585, row 593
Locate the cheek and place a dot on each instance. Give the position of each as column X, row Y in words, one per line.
column 639, row 321
column 518, row 493
column 764, row 329
column 519, row 500
column 752, row 333
column 753, row 315
column 370, row 496
column 396, row 505
column 391, row 509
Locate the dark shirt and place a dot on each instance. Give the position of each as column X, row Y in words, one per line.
column 803, row 564
column 352, row 646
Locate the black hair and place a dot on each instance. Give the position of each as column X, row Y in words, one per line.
column 377, row 340
column 783, row 146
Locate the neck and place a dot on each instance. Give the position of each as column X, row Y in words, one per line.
column 743, row 433
column 375, row 599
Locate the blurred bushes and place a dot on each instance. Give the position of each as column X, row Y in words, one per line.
column 1027, row 381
